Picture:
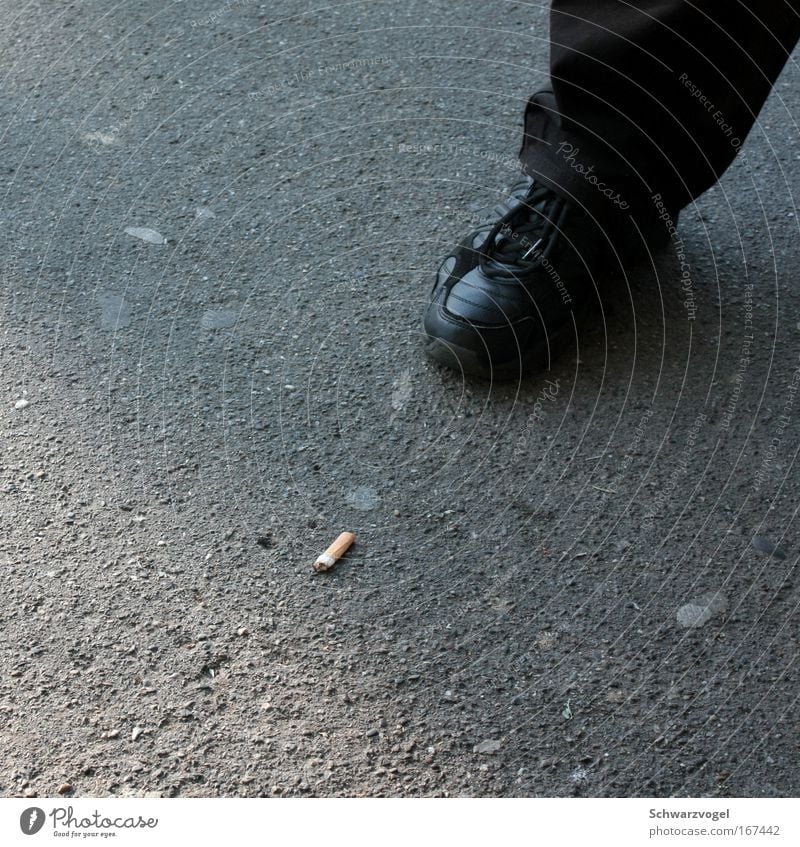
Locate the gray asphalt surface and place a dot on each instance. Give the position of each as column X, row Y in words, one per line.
column 219, row 226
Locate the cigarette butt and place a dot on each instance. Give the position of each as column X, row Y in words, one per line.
column 325, row 561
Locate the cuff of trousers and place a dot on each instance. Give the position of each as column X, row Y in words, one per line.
column 576, row 167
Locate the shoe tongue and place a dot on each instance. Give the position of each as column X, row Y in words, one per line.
column 523, row 227
column 511, row 253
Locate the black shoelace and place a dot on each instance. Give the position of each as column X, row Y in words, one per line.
column 515, row 245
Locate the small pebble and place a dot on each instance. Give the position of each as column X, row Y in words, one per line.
column 363, row 498
column 579, row 776
column 137, row 731
column 115, row 313
column 218, row 319
column 21, row 404
column 764, row 545
column 64, row 788
column 488, row 746
column 145, row 234
column 700, row 610
column 105, row 138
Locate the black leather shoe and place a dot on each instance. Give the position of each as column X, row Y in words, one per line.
column 507, row 298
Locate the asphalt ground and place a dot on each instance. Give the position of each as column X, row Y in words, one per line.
column 219, row 228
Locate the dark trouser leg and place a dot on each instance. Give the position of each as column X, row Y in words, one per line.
column 652, row 97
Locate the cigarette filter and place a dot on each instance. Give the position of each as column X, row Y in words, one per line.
column 325, row 561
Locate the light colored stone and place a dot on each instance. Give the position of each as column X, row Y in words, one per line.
column 144, row 233
column 700, row 610
column 488, row 746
